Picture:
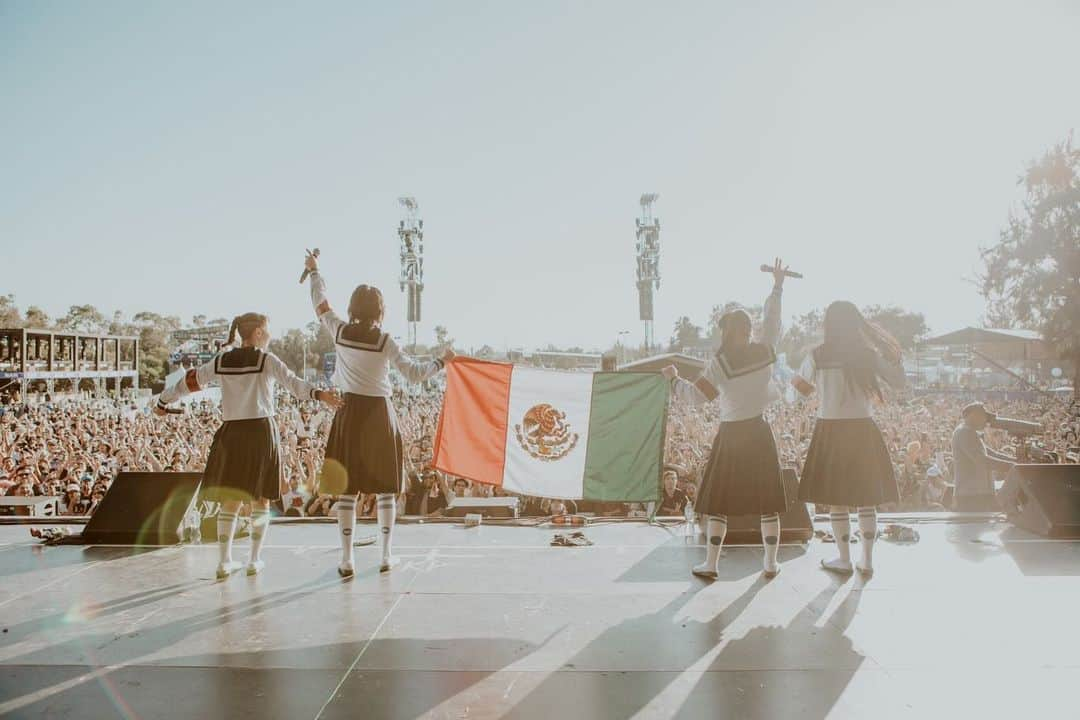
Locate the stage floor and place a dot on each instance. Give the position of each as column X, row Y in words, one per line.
column 974, row 621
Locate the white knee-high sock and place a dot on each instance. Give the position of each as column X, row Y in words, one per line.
column 868, row 530
column 226, row 528
column 770, row 539
column 715, row 530
column 346, row 519
column 260, row 526
column 386, row 512
column 841, row 530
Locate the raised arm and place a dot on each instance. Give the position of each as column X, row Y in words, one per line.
column 772, row 321
column 327, row 317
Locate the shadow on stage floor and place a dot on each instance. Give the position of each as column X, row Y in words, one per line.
column 48, row 558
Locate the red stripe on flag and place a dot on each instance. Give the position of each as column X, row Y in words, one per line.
column 191, row 379
column 471, row 439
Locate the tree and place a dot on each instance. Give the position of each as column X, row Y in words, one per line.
column 686, row 334
column 37, row 318
column 1032, row 275
column 907, row 327
column 154, row 333
column 83, row 319
column 802, row 334
column 10, row 317
column 442, row 338
column 291, row 347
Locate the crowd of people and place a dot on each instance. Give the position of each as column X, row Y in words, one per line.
column 72, row 448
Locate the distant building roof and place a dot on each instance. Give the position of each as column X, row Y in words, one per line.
column 974, row 336
column 686, row 364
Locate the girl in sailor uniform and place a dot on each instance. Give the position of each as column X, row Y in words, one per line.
column 742, row 475
column 364, row 452
column 243, row 464
column 848, row 464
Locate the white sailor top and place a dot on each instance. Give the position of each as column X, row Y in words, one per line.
column 247, row 376
column 837, row 398
column 363, row 358
column 741, row 381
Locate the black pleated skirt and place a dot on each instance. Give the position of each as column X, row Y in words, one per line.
column 364, row 453
column 244, row 463
column 742, row 475
column 848, row 464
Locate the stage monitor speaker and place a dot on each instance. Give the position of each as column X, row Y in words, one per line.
column 1044, row 499
column 795, row 523
column 490, row 507
column 143, row 508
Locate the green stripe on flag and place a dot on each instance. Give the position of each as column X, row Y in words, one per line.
column 626, row 437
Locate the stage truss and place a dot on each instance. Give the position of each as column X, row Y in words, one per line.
column 648, row 264
column 411, row 280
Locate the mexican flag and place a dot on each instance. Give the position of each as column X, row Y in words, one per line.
column 567, row 435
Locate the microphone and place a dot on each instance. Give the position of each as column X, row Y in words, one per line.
column 313, row 253
column 787, row 273
column 1013, row 426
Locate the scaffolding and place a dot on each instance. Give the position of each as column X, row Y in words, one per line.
column 648, row 264
column 411, row 280
column 31, row 358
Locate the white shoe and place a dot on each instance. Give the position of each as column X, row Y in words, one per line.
column 705, row 570
column 866, row 571
column 388, row 564
column 255, row 567
column 345, row 569
column 837, row 566
column 771, row 573
column 226, row 569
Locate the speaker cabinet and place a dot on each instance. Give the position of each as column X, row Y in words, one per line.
column 795, row 523
column 1044, row 499
column 142, row 508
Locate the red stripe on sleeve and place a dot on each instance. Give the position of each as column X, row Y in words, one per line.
column 706, row 388
column 191, row 379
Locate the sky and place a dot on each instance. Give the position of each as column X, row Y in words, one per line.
column 179, row 157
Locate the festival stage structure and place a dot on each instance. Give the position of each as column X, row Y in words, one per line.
column 197, row 345
column 975, row 620
column 411, row 280
column 648, row 264
column 32, row 358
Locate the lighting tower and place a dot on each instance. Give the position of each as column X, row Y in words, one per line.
column 648, row 263
column 411, row 235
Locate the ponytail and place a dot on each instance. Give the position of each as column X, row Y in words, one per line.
column 232, row 330
column 245, row 326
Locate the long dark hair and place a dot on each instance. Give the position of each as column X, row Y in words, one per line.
column 854, row 341
column 245, row 326
column 366, row 307
column 729, row 321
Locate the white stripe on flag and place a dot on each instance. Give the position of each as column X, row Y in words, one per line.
column 565, row 392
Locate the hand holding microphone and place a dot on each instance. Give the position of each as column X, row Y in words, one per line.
column 779, row 271
column 310, row 264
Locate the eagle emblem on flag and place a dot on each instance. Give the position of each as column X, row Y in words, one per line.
column 545, row 434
